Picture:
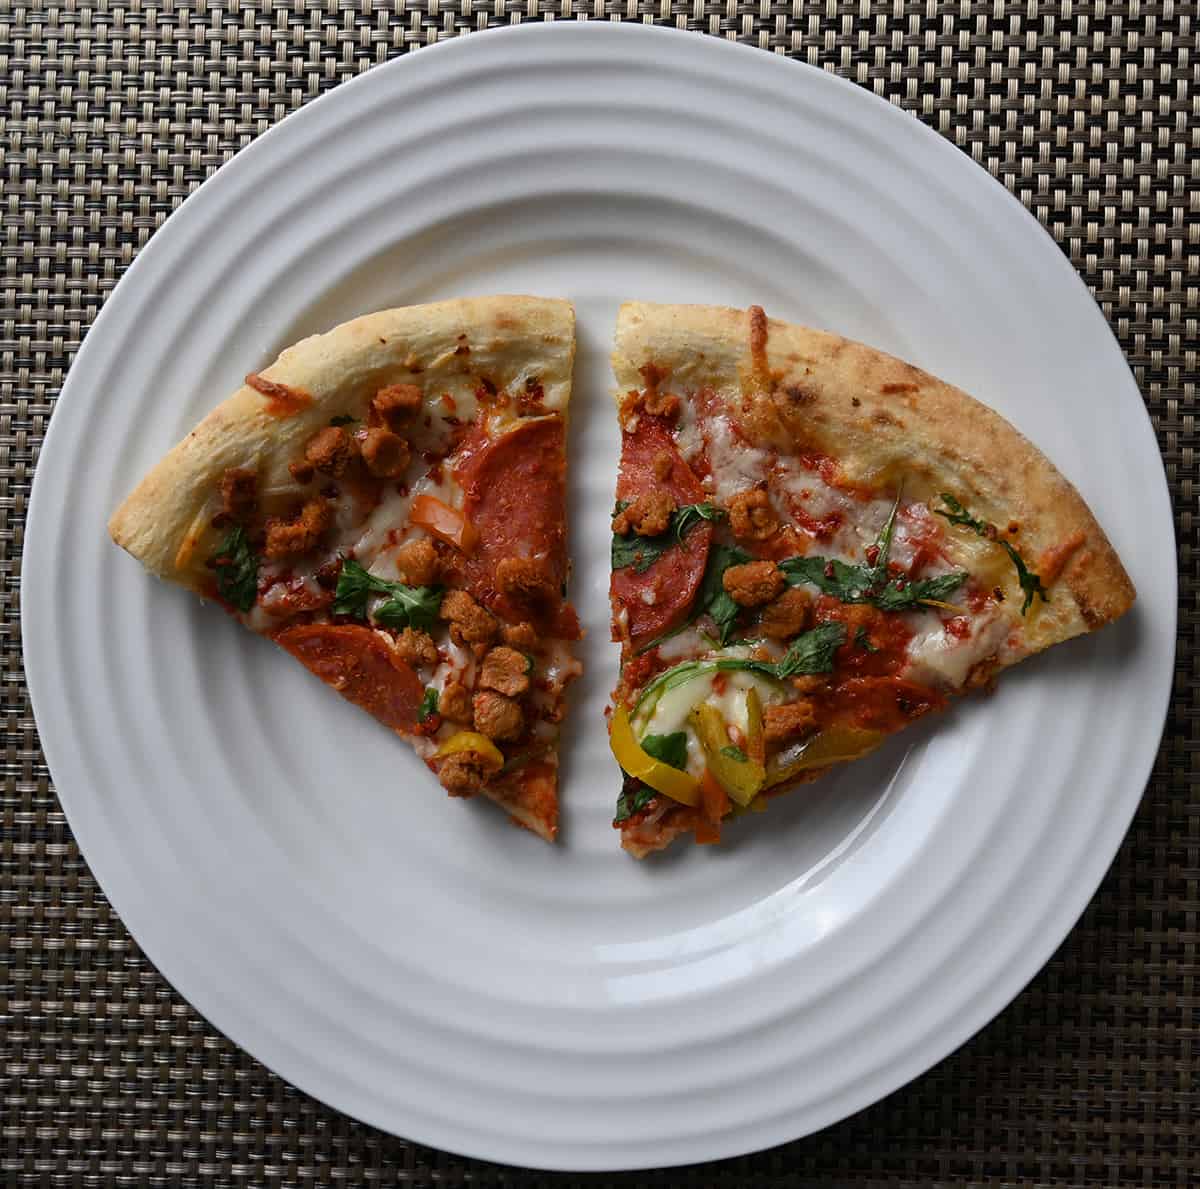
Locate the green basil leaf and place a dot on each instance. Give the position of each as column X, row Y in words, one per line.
column 692, row 514
column 712, row 598
column 236, row 568
column 849, row 583
column 1031, row 584
column 912, row 594
column 670, row 749
column 640, row 553
column 429, row 705
column 409, row 607
column 406, row 606
column 634, row 797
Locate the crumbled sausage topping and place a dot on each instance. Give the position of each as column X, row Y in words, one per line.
column 498, row 717
column 648, row 516
column 525, row 580
column 386, row 454
column 751, row 516
column 455, row 703
column 522, row 636
column 239, row 493
column 788, row 615
column 330, row 450
column 417, row 648
column 753, row 584
column 466, row 772
column 469, row 623
column 418, row 562
column 781, row 723
column 506, row 671
column 397, row 404
column 301, row 535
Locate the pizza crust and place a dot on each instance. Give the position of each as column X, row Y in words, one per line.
column 883, row 420
column 166, row 522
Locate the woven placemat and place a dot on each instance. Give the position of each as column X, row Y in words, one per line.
column 111, row 112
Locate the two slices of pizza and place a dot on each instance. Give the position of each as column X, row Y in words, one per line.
column 814, row 544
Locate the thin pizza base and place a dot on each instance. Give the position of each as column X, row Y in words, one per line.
column 513, row 346
column 795, row 392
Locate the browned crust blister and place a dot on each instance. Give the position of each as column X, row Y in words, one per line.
column 886, row 421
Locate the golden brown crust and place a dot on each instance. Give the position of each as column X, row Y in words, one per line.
column 166, row 522
column 884, row 420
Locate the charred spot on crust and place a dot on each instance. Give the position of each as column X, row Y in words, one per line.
column 798, row 394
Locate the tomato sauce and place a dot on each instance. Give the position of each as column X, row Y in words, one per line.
column 866, row 689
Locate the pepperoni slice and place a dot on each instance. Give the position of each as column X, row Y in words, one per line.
column 361, row 667
column 659, row 598
column 515, row 489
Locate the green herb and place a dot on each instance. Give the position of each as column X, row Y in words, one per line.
column 236, row 568
column 864, row 641
column 640, row 553
column 634, row 797
column 406, row 606
column 409, row 607
column 871, row 583
column 850, row 583
column 342, row 419
column 810, row 653
column 429, row 705
column 692, row 514
column 1031, row 584
column 712, row 598
column 910, row 595
column 957, row 514
column 735, row 753
column 670, row 749
column 883, row 543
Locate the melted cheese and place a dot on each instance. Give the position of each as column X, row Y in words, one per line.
column 937, row 658
column 670, row 713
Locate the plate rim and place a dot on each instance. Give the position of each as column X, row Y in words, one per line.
column 1041, row 946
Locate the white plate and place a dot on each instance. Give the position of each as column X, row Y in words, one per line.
column 413, row 960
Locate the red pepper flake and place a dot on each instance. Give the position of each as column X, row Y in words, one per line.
column 829, row 570
column 872, row 554
column 899, row 584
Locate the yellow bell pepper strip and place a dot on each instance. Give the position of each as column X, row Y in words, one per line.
column 833, row 745
column 734, row 770
column 444, row 522
column 756, row 743
column 662, row 778
column 472, row 741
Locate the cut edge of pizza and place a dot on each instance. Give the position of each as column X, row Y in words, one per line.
column 386, row 502
column 814, row 544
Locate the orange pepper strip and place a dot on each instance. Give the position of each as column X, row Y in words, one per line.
column 446, row 523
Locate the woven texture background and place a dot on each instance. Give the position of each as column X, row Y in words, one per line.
column 111, row 112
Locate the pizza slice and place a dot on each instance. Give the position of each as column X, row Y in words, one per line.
column 814, row 544
column 387, row 503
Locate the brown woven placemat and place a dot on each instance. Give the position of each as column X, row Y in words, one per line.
column 111, row 112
